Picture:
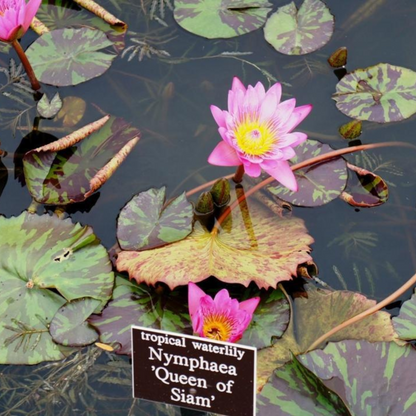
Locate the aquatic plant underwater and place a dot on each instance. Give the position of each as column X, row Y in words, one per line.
column 62, row 290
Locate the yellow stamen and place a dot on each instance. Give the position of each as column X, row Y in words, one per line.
column 255, row 138
column 218, row 327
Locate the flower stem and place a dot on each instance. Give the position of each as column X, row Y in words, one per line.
column 26, row 64
column 238, row 175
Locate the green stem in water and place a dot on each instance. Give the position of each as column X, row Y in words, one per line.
column 26, row 64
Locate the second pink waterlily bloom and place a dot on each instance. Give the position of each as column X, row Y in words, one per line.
column 16, row 17
column 257, row 131
column 221, row 318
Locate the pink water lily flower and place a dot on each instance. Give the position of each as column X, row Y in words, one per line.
column 257, row 131
column 15, row 18
column 221, row 318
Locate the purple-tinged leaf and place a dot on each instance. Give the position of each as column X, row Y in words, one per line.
column 405, row 323
column 49, row 109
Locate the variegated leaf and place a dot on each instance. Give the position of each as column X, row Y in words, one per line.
column 49, row 109
column 405, row 323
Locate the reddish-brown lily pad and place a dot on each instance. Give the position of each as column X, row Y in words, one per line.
column 252, row 245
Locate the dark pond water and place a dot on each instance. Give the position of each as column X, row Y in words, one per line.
column 368, row 250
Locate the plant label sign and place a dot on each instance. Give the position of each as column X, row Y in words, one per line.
column 193, row 372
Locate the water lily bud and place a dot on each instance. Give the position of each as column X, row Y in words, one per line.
column 205, row 203
column 220, row 192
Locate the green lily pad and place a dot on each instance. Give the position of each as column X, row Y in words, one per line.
column 74, row 167
column 145, row 222
column 65, row 57
column 139, row 305
column 253, row 245
column 318, row 184
column 315, row 313
column 45, row 262
column 405, row 323
column 380, row 93
column 294, row 390
column 221, row 18
column 371, row 378
column 69, row 326
column 270, row 319
column 49, row 109
column 294, row 32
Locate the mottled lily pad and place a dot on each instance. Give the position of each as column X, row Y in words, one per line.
column 269, row 321
column 380, row 93
column 371, row 378
column 253, row 245
column 65, row 57
column 365, row 190
column 294, row 32
column 74, row 167
column 221, row 18
column 145, row 222
column 45, row 262
column 69, row 326
column 316, row 313
column 318, row 184
column 49, row 108
column 139, row 305
column 405, row 323
column 293, row 390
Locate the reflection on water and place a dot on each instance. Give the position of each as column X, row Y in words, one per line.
column 164, row 84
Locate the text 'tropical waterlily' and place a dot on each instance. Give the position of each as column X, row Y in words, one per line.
column 221, row 318
column 15, row 18
column 257, row 131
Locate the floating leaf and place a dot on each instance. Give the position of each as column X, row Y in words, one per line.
column 405, row 323
column 64, row 172
column 317, row 313
column 69, row 56
column 49, row 109
column 138, row 305
column 318, row 184
column 69, row 326
column 270, row 320
column 371, row 378
column 370, row 191
column 45, row 262
column 72, row 111
column 294, row 32
column 351, row 130
column 221, row 18
column 380, row 93
column 145, row 222
column 339, row 58
column 253, row 245
column 294, row 390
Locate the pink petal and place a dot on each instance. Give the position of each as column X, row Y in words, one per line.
column 15, row 33
column 238, row 85
column 250, row 305
column 251, row 101
column 268, row 106
column 284, row 111
column 31, row 10
column 283, row 174
column 194, row 298
column 218, row 115
column 276, row 89
column 288, row 153
column 292, row 139
column 261, row 92
column 223, row 301
column 224, row 155
column 252, row 169
column 298, row 115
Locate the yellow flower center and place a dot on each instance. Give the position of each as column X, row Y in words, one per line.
column 218, row 327
column 255, row 138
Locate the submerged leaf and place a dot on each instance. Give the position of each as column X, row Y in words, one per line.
column 318, row 184
column 45, row 262
column 72, row 111
column 66, row 57
column 69, row 326
column 49, row 109
column 314, row 315
column 145, row 222
column 339, row 58
column 221, row 18
column 252, row 245
column 380, row 93
column 351, row 130
column 405, row 323
column 294, row 32
column 74, row 167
